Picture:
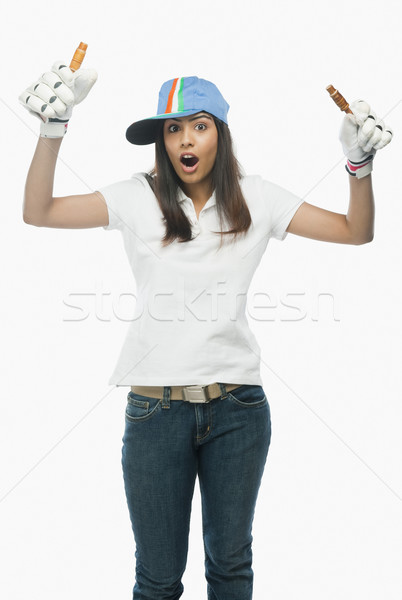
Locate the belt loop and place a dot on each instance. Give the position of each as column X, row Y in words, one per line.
column 223, row 390
column 166, row 397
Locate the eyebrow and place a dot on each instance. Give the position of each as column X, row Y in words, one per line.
column 194, row 118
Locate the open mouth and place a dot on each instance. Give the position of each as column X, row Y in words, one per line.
column 189, row 160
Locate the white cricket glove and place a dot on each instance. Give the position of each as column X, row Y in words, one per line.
column 361, row 135
column 54, row 95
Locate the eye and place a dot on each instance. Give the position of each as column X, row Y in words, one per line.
column 172, row 128
column 201, row 126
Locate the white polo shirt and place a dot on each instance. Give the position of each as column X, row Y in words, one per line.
column 189, row 326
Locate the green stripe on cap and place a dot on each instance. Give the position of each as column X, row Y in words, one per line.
column 180, row 100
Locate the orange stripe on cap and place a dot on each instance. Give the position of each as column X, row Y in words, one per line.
column 170, row 98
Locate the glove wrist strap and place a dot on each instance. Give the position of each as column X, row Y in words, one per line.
column 360, row 169
column 54, row 128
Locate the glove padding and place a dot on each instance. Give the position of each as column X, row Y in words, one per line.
column 54, row 95
column 361, row 135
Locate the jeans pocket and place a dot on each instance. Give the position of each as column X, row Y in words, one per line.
column 141, row 408
column 248, row 396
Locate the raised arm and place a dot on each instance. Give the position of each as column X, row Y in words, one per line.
column 362, row 134
column 51, row 99
column 67, row 212
column 356, row 227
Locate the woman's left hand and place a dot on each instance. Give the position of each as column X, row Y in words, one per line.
column 361, row 135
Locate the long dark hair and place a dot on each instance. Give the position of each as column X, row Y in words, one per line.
column 226, row 175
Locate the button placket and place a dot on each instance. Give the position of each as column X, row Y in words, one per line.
column 193, row 216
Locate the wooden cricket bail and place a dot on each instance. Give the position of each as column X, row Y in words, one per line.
column 78, row 57
column 338, row 99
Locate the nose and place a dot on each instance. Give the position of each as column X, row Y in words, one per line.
column 186, row 137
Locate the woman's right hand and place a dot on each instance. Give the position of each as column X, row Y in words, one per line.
column 52, row 97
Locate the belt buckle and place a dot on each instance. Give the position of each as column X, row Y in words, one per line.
column 195, row 393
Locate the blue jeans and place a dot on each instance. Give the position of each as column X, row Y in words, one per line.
column 166, row 444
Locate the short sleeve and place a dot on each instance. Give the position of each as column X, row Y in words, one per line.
column 281, row 205
column 121, row 200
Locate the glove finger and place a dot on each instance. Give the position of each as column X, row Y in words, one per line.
column 377, row 134
column 60, row 89
column 45, row 93
column 361, row 110
column 58, row 106
column 368, row 132
column 64, row 72
column 386, row 137
column 35, row 104
column 84, row 79
column 41, row 90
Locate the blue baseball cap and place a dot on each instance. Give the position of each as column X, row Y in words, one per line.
column 180, row 97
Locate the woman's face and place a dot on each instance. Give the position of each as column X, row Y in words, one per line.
column 191, row 143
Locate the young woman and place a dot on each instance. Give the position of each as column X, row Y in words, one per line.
column 195, row 230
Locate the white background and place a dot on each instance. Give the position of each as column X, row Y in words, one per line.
column 328, row 517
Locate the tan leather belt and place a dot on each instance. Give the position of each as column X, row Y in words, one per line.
column 188, row 393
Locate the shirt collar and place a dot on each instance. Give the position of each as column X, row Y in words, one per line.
column 182, row 197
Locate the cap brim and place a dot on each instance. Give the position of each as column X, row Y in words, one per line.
column 144, row 132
